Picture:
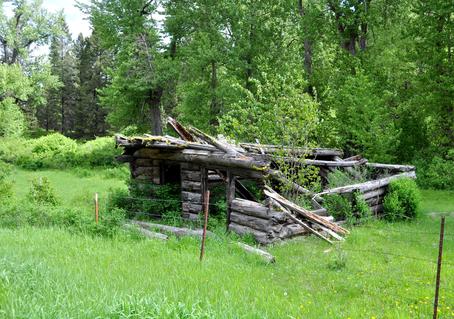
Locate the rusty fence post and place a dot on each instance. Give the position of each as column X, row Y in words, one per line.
column 205, row 211
column 440, row 256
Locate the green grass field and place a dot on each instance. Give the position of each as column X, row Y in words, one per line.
column 383, row 270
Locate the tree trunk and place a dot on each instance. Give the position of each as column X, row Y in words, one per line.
column 154, row 103
column 307, row 43
column 214, row 102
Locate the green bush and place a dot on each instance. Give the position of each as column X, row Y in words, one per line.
column 5, row 185
column 19, row 214
column 98, row 152
column 402, row 200
column 338, row 206
column 437, row 173
column 57, row 151
column 42, row 192
column 353, row 209
column 54, row 150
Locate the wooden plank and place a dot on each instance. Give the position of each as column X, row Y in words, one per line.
column 252, row 250
column 365, row 187
column 392, row 167
column 304, row 212
column 374, row 193
column 303, row 224
column 180, row 130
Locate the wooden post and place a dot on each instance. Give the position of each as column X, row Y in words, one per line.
column 96, row 208
column 440, row 255
column 230, row 196
column 205, row 210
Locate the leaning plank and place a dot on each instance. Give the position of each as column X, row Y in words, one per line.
column 365, row 187
column 252, row 250
column 177, row 231
column 305, row 226
column 180, row 130
column 147, row 233
column 223, row 146
column 305, row 213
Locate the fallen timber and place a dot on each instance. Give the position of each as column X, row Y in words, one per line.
column 199, row 161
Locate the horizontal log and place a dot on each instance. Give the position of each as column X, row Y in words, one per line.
column 260, row 237
column 255, row 209
column 212, row 159
column 367, row 186
column 149, row 171
column 324, row 163
column 267, row 148
column 146, row 162
column 147, row 233
column 191, row 186
column 252, row 250
column 195, row 176
column 375, row 200
column 374, row 193
column 177, row 231
column 191, row 207
column 392, row 167
column 291, row 230
column 250, row 221
column 191, row 197
column 190, row 167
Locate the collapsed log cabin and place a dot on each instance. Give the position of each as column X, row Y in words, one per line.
column 197, row 161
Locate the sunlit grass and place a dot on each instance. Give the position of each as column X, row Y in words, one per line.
column 383, row 270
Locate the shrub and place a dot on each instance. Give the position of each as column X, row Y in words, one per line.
column 5, row 184
column 98, row 152
column 338, row 206
column 436, row 174
column 402, row 200
column 54, row 150
column 353, row 210
column 42, row 192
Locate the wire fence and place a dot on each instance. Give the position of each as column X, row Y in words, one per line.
column 402, row 239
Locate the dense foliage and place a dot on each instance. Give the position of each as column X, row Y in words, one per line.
column 370, row 77
column 402, row 200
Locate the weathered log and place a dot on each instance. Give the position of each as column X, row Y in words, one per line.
column 177, row 231
column 212, row 159
column 303, row 224
column 193, row 176
column 304, row 212
column 260, row 236
column 145, row 162
column 191, row 207
column 291, row 230
column 147, row 233
column 191, row 197
column 257, row 210
column 375, row 200
column 250, row 221
column 392, row 167
column 303, row 162
column 148, row 171
column 180, row 130
column 191, row 186
column 291, row 150
column 222, row 145
column 252, row 250
column 374, row 193
column 365, row 187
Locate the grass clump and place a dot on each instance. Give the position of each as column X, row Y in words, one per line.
column 353, row 209
column 6, row 190
column 42, row 192
column 402, row 200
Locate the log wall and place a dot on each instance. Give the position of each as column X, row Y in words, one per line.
column 265, row 224
column 193, row 186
